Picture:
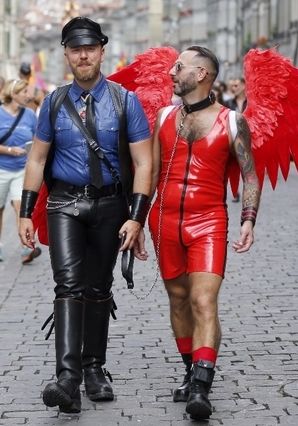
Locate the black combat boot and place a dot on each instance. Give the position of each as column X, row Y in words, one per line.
column 97, row 317
column 182, row 393
column 65, row 393
column 198, row 404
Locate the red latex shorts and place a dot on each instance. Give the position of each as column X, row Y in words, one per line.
column 198, row 245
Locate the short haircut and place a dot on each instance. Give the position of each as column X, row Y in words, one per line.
column 206, row 53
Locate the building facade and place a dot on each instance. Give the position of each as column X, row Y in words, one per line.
column 9, row 38
column 228, row 27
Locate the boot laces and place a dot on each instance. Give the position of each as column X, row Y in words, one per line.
column 197, row 386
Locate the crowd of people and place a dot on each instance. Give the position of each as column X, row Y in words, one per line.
column 97, row 207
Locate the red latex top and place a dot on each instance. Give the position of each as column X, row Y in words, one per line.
column 199, row 170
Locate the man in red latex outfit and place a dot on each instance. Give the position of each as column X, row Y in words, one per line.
column 188, row 221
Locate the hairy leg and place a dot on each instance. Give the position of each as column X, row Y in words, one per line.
column 204, row 289
column 178, row 290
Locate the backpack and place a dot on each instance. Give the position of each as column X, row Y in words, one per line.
column 56, row 100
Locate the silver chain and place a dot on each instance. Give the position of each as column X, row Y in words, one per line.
column 54, row 205
column 180, row 127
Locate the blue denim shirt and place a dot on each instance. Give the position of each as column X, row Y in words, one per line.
column 71, row 160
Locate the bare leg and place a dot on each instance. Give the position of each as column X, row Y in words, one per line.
column 180, row 309
column 16, row 204
column 181, row 319
column 1, row 222
column 204, row 289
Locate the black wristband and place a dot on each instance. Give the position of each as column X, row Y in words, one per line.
column 140, row 207
column 27, row 203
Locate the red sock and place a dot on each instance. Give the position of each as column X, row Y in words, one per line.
column 184, row 345
column 204, row 353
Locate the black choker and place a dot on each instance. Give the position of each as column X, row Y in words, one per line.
column 200, row 105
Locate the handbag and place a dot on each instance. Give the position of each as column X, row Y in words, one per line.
column 14, row 125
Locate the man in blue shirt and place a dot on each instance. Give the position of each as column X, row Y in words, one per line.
column 87, row 212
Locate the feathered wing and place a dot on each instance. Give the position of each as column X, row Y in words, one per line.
column 272, row 111
column 39, row 216
column 148, row 76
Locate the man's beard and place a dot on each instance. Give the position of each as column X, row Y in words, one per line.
column 89, row 74
column 185, row 87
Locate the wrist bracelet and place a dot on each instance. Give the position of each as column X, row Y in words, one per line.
column 248, row 213
column 27, row 203
column 139, row 208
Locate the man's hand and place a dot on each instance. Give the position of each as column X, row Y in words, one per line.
column 130, row 229
column 26, row 232
column 246, row 238
column 139, row 247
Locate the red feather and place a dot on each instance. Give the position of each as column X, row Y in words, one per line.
column 148, row 76
column 39, row 216
column 272, row 111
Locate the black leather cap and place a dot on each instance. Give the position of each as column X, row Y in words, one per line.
column 82, row 31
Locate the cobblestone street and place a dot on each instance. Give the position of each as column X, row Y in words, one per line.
column 256, row 382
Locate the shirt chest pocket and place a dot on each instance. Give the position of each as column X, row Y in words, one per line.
column 108, row 134
column 65, row 133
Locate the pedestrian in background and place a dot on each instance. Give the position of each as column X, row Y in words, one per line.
column 237, row 103
column 189, row 223
column 35, row 96
column 87, row 210
column 17, row 127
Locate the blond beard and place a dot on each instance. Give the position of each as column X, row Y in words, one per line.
column 90, row 75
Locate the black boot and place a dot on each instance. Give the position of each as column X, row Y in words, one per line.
column 97, row 317
column 65, row 393
column 182, row 393
column 198, row 404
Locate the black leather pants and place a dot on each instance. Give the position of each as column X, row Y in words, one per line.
column 84, row 247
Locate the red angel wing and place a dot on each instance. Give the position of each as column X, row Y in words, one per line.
column 148, row 76
column 39, row 216
column 272, row 110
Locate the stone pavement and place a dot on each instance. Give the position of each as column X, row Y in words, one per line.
column 257, row 372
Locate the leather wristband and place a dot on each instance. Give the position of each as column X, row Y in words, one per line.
column 248, row 213
column 139, row 208
column 27, row 203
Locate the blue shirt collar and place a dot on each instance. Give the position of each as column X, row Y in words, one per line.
column 96, row 91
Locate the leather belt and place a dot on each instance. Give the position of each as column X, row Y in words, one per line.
column 88, row 191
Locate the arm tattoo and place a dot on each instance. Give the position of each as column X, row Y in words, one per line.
column 251, row 189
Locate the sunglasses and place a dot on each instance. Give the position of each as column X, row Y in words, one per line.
column 178, row 66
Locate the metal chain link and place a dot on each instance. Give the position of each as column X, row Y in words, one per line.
column 161, row 204
column 54, row 205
